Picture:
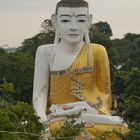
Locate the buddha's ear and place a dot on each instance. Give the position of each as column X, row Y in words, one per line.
column 87, row 38
column 54, row 21
column 89, row 21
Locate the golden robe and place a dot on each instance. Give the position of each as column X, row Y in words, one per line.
column 88, row 78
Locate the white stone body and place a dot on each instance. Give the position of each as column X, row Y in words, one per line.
column 71, row 25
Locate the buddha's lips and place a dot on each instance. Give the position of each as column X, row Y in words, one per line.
column 67, row 108
column 73, row 34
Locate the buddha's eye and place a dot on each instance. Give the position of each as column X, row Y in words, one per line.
column 81, row 20
column 65, row 20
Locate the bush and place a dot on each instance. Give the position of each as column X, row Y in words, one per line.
column 19, row 117
column 130, row 111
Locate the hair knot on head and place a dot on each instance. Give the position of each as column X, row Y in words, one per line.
column 72, row 0
column 71, row 3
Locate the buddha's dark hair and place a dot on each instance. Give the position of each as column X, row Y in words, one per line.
column 71, row 3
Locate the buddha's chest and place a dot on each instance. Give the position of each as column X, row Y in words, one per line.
column 63, row 61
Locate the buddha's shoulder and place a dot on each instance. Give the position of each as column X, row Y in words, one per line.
column 45, row 49
column 97, row 47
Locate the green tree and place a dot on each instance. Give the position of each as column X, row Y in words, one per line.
column 101, row 38
column 131, row 36
column 2, row 51
column 19, row 119
column 118, row 82
column 126, row 82
column 132, row 83
column 46, row 36
column 129, row 107
column 30, row 45
column 6, row 89
column 124, row 48
column 134, row 55
column 47, row 26
column 18, row 68
column 101, row 27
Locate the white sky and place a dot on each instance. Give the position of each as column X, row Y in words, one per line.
column 21, row 19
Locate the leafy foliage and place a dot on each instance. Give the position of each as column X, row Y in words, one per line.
column 126, row 82
column 47, row 26
column 129, row 107
column 102, row 27
column 2, row 51
column 131, row 36
column 70, row 129
column 18, row 68
column 6, row 91
column 134, row 134
column 19, row 117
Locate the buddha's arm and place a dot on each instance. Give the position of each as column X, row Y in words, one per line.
column 103, row 79
column 41, row 83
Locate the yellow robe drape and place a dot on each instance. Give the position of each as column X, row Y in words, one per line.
column 96, row 83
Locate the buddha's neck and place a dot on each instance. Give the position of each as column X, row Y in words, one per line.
column 71, row 47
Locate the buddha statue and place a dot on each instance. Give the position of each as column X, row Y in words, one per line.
column 72, row 72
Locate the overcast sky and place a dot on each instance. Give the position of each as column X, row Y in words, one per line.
column 21, row 19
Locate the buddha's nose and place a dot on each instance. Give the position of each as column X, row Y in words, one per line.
column 73, row 25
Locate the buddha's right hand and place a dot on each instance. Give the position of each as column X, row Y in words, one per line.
column 43, row 118
column 67, row 110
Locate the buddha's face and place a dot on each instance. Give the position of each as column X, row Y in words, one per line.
column 72, row 23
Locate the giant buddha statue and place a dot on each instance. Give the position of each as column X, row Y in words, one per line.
column 73, row 72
